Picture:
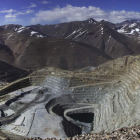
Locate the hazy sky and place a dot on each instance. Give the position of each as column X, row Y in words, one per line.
column 26, row 12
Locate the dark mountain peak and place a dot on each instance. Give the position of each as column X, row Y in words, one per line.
column 111, row 25
column 90, row 20
column 103, row 20
column 133, row 20
column 11, row 26
column 128, row 22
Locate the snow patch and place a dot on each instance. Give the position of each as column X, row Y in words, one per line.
column 6, row 26
column 102, row 32
column 15, row 29
column 40, row 36
column 80, row 34
column 137, row 29
column 9, row 37
column 109, row 38
column 90, row 21
column 132, row 32
column 33, row 32
column 73, row 33
column 121, row 31
column 56, row 26
column 132, row 25
column 124, row 26
column 19, row 30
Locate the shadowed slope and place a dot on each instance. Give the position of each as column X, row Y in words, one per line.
column 35, row 53
column 10, row 73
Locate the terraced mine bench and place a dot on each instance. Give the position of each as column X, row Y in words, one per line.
column 108, row 95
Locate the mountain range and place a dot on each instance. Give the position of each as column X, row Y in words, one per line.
column 68, row 46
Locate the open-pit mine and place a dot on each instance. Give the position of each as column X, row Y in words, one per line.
column 57, row 103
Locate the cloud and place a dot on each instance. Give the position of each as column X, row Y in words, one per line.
column 8, row 11
column 10, row 15
column 119, row 16
column 13, row 13
column 26, row 12
column 31, row 6
column 45, row 2
column 12, row 20
column 74, row 13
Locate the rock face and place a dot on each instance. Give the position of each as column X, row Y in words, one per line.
column 68, row 46
column 111, row 92
column 105, row 98
column 119, row 107
column 60, row 53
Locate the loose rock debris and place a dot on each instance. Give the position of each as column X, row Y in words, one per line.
column 131, row 133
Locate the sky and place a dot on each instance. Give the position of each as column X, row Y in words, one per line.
column 30, row 12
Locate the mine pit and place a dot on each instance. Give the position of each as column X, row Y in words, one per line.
column 82, row 117
column 51, row 104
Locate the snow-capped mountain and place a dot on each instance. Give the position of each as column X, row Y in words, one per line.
column 31, row 32
column 66, row 45
column 102, row 35
column 130, row 28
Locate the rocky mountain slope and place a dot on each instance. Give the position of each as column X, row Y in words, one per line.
column 6, row 54
column 69, row 46
column 130, row 28
column 36, row 53
column 32, row 50
column 101, row 35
